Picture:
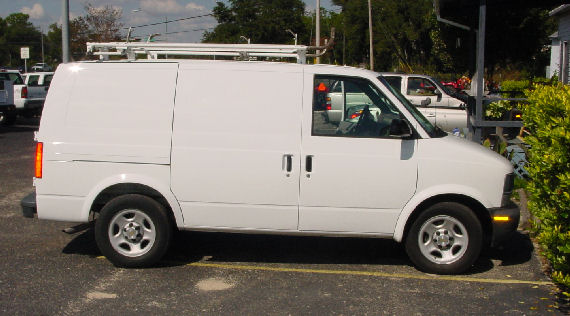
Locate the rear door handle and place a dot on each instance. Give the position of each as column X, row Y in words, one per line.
column 287, row 164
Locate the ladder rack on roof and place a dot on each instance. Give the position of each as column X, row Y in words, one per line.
column 241, row 51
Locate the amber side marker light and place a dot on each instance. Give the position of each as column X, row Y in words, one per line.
column 39, row 159
column 501, row 218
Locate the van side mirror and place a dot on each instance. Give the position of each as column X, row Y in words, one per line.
column 425, row 102
column 438, row 93
column 400, row 128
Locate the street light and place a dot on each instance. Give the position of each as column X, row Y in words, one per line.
column 245, row 39
column 294, row 35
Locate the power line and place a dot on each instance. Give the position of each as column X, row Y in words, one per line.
column 177, row 20
column 186, row 31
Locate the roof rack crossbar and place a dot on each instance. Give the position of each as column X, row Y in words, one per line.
column 242, row 51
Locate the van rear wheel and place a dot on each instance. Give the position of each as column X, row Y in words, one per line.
column 445, row 239
column 133, row 231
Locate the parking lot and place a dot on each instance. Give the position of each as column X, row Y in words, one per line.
column 44, row 271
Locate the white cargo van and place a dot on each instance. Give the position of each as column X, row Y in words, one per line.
column 231, row 146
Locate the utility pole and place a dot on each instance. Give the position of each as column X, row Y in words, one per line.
column 318, row 29
column 65, row 32
column 42, row 37
column 370, row 31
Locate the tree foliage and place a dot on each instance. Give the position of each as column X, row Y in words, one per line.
column 262, row 21
column 16, row 32
column 98, row 25
column 408, row 37
column 102, row 24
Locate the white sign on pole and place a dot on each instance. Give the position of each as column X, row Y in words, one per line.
column 25, row 52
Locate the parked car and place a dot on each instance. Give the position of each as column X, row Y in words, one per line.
column 31, row 96
column 7, row 109
column 446, row 108
column 10, row 113
column 41, row 67
column 144, row 157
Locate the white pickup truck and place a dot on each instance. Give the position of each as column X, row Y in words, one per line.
column 7, row 113
column 439, row 105
column 31, row 96
column 445, row 108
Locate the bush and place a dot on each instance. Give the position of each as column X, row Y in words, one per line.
column 547, row 117
column 516, row 88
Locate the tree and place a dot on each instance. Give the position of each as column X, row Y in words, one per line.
column 16, row 32
column 97, row 25
column 407, row 36
column 263, row 21
column 103, row 23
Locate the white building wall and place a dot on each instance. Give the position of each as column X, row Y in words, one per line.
column 554, row 68
column 559, row 59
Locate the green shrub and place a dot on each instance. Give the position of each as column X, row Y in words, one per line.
column 515, row 85
column 516, row 88
column 547, row 117
column 496, row 110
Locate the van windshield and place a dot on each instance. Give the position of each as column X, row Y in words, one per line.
column 433, row 131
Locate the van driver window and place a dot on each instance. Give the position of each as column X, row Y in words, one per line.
column 351, row 107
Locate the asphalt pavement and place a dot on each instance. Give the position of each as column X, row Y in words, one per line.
column 46, row 272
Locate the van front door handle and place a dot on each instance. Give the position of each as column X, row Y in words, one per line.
column 309, row 164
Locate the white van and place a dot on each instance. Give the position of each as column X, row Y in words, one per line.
column 145, row 147
column 441, row 106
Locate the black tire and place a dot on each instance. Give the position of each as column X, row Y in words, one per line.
column 8, row 118
column 446, row 238
column 133, row 231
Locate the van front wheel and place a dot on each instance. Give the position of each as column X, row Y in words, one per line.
column 133, row 231
column 445, row 239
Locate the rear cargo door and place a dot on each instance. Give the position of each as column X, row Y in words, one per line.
column 236, row 145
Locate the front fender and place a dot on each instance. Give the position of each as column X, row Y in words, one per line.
column 419, row 197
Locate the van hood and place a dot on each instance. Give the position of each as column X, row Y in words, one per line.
column 455, row 149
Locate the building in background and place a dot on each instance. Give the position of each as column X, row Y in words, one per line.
column 559, row 53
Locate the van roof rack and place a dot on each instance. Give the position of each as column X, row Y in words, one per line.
column 240, row 51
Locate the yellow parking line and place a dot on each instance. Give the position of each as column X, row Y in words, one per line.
column 369, row 273
column 365, row 273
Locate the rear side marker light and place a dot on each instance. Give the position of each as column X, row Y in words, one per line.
column 39, row 159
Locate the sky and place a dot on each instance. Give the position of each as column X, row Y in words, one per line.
column 135, row 13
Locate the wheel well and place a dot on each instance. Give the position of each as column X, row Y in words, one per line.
column 129, row 188
column 478, row 208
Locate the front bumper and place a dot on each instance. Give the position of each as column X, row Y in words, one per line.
column 505, row 221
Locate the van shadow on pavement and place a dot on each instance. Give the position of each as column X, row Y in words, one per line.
column 189, row 247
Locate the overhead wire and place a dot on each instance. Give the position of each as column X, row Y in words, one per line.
column 164, row 22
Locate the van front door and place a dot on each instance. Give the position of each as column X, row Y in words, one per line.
column 355, row 177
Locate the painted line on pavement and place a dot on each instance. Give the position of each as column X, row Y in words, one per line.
column 369, row 273
column 365, row 273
